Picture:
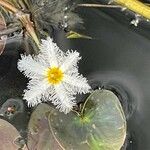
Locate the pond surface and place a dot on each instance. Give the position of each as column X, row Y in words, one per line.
column 118, row 58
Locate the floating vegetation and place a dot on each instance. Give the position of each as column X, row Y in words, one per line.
column 39, row 135
column 75, row 35
column 135, row 6
column 54, row 77
column 9, row 137
column 141, row 10
column 101, row 124
column 38, row 17
column 55, row 13
column 11, row 108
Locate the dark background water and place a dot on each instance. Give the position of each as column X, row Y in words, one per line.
column 118, row 58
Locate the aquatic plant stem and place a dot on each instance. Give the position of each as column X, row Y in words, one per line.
column 99, row 5
column 76, row 112
column 135, row 6
column 8, row 6
column 24, row 19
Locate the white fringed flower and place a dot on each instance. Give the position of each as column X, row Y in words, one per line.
column 53, row 76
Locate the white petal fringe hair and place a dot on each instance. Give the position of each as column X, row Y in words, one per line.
column 41, row 88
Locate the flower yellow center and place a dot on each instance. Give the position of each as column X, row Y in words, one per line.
column 54, row 75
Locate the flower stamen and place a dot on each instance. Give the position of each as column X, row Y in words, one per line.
column 54, row 75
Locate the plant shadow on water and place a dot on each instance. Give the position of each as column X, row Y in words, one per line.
column 116, row 59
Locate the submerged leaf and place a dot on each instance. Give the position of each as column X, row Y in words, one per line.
column 75, row 35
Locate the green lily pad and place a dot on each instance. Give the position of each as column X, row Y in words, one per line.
column 39, row 133
column 101, row 126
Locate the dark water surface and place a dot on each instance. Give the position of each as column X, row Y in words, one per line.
column 118, row 58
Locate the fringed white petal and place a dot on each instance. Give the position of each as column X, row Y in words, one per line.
column 76, row 84
column 30, row 67
column 50, row 51
column 35, row 92
column 41, row 59
column 63, row 100
column 70, row 61
column 39, row 89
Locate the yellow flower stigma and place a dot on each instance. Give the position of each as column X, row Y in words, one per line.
column 54, row 75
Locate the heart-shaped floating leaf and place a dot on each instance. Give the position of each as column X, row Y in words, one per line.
column 101, row 126
column 39, row 133
column 10, row 137
column 3, row 38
